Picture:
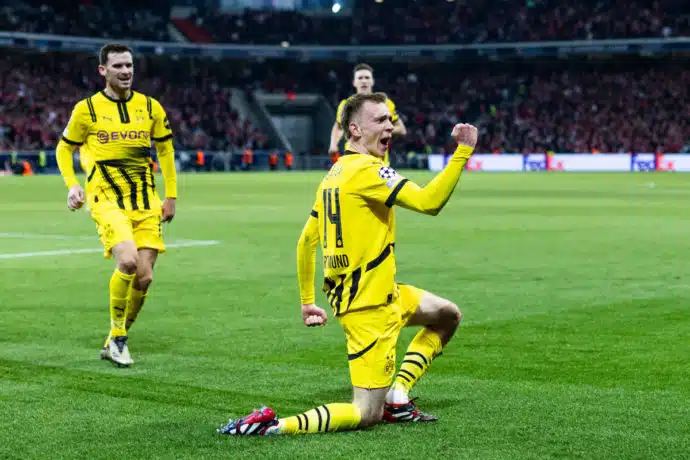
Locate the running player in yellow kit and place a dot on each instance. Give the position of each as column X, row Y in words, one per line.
column 363, row 81
column 115, row 128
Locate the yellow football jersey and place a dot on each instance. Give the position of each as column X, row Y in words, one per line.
column 391, row 108
column 116, row 136
column 354, row 208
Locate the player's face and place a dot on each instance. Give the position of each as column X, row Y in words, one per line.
column 118, row 71
column 363, row 81
column 376, row 128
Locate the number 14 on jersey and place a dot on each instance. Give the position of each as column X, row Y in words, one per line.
column 331, row 207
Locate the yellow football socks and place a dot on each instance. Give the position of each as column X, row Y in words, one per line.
column 135, row 301
column 329, row 417
column 119, row 287
column 425, row 346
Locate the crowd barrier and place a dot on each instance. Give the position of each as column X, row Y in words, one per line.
column 601, row 162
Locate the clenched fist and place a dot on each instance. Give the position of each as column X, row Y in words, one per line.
column 75, row 198
column 465, row 134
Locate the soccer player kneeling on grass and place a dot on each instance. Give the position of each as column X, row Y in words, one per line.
column 354, row 221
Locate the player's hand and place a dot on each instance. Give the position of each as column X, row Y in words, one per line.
column 168, row 209
column 465, row 134
column 75, row 198
column 333, row 150
column 313, row 315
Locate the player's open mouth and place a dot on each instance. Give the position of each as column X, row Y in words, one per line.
column 385, row 141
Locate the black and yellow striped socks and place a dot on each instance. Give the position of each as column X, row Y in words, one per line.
column 425, row 346
column 329, row 417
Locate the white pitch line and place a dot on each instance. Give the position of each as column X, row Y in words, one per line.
column 44, row 236
column 40, row 236
column 22, row 255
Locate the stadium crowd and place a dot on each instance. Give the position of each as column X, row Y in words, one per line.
column 38, row 91
column 529, row 107
column 409, row 22
column 84, row 18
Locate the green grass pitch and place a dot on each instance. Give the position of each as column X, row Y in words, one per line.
column 575, row 341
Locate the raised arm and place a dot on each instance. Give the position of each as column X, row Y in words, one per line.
column 431, row 198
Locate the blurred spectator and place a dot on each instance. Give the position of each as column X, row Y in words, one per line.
column 38, row 91
column 631, row 104
column 113, row 19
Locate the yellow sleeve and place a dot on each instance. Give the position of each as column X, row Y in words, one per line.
column 339, row 112
column 63, row 154
column 161, row 126
column 434, row 196
column 393, row 111
column 74, row 135
column 306, row 256
column 377, row 182
column 162, row 136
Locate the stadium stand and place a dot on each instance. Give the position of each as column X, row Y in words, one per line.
column 39, row 91
column 442, row 22
column 638, row 105
column 143, row 20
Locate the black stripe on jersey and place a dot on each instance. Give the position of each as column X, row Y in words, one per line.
column 153, row 182
column 413, row 362
column 92, row 111
column 299, row 422
column 93, row 171
column 144, row 192
column 391, row 198
column 381, row 257
column 318, row 414
column 354, row 286
column 109, row 179
column 162, row 139
column 114, row 163
column 132, row 188
column 352, row 356
column 124, row 114
column 414, row 353
column 314, row 214
column 328, row 418
column 149, row 107
column 306, row 422
column 71, row 142
column 339, row 294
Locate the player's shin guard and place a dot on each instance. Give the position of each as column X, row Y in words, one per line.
column 425, row 346
column 119, row 287
column 329, row 417
column 135, row 301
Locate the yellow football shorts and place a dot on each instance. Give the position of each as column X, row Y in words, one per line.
column 117, row 225
column 372, row 335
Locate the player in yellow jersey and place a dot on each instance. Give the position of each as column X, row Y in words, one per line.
column 115, row 128
column 363, row 81
column 354, row 220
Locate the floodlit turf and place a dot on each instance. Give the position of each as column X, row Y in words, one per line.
column 575, row 341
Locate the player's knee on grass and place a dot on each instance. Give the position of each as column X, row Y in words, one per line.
column 370, row 404
column 370, row 415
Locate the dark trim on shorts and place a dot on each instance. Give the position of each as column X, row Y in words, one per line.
column 352, row 356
